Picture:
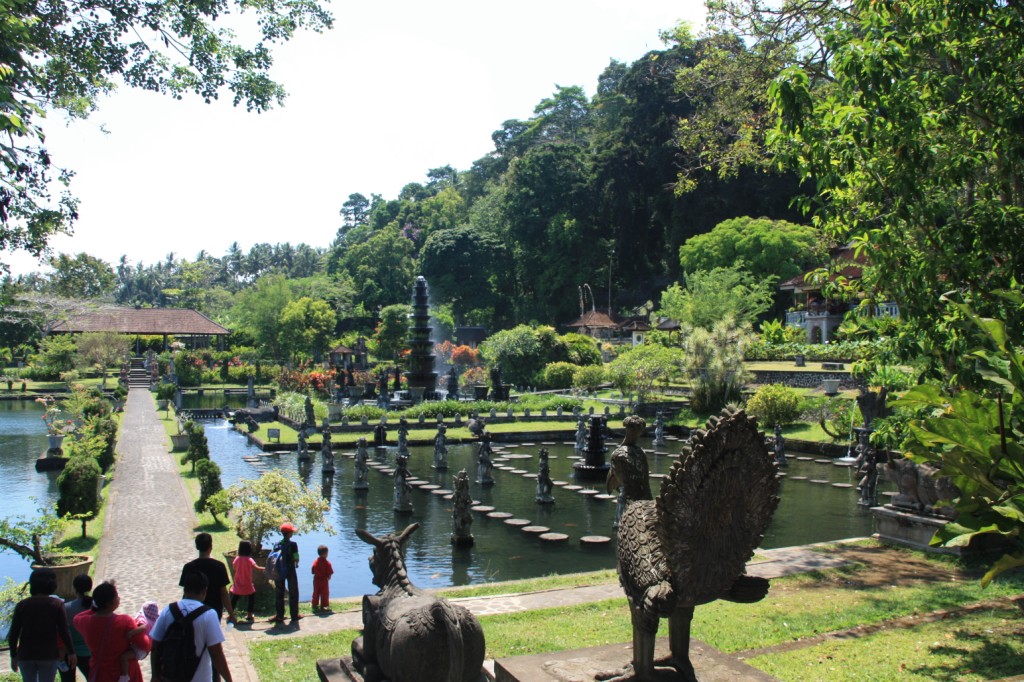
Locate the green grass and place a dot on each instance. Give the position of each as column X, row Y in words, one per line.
column 981, row 645
column 552, row 582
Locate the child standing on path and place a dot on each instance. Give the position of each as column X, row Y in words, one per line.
column 243, row 586
column 322, row 572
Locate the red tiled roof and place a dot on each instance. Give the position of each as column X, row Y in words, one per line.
column 155, row 321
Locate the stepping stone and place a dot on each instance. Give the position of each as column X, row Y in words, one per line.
column 574, row 487
column 805, row 459
column 528, row 445
column 823, row 461
column 482, row 508
column 429, row 486
column 659, row 453
column 415, row 481
column 594, row 540
column 560, row 483
column 798, row 478
column 450, row 497
column 588, row 492
column 657, row 475
column 890, row 493
column 518, row 471
column 548, row 442
column 271, row 454
column 781, row 474
column 537, row 530
column 842, row 485
column 569, row 442
column 511, row 456
column 499, row 515
column 553, row 537
column 521, row 523
column 605, row 496
column 529, row 475
column 818, row 480
column 386, row 471
column 441, row 492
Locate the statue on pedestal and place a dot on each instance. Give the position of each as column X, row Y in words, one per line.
column 441, row 448
column 302, row 448
column 581, row 436
column 779, row 447
column 462, row 519
column 403, row 436
column 659, row 429
column 403, row 502
column 544, row 482
column 325, row 449
column 360, row 482
column 484, row 465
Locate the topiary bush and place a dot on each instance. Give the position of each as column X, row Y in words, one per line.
column 589, row 378
column 558, row 374
column 774, row 404
column 208, row 474
column 79, row 489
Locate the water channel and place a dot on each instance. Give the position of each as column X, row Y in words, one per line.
column 812, row 509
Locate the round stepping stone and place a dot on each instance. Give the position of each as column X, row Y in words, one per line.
column 536, row 530
column 605, row 496
column 450, row 496
column 560, row 483
column 548, row 442
column 657, row 475
column 518, row 456
column 429, row 486
column 781, row 474
column 528, row 445
column 415, row 481
column 823, row 461
column 588, row 492
column 518, row 471
column 818, row 480
column 387, row 471
column 520, row 523
column 594, row 540
column 482, row 508
column 805, row 459
column 574, row 487
column 798, row 478
column 529, row 475
column 842, row 485
column 553, row 537
column 890, row 493
column 441, row 492
column 270, row 454
column 499, row 515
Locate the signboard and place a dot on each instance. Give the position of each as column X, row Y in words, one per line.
column 274, row 433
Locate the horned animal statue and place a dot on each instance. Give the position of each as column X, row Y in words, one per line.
column 410, row 635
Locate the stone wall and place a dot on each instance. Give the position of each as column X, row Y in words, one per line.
column 803, row 379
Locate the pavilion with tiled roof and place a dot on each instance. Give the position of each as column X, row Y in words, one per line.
column 596, row 324
column 177, row 322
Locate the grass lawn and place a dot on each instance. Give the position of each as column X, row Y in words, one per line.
column 872, row 620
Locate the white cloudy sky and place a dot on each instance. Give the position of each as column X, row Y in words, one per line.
column 396, row 88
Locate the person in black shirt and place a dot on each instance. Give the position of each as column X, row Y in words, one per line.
column 217, row 577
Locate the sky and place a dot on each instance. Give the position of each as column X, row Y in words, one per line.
column 396, row 88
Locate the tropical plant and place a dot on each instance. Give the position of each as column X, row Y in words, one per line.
column 976, row 437
column 263, row 504
column 714, row 364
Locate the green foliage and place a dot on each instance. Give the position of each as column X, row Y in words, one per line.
column 56, row 354
column 836, row 416
column 891, row 377
column 198, row 447
column 558, row 375
column 976, row 437
column 208, row 474
column 393, row 330
column 523, row 351
column 102, row 429
column 306, row 326
column 263, row 504
column 581, row 349
column 774, row 404
column 775, row 332
column 843, row 351
column 589, row 378
column 166, row 391
column 717, row 294
column 714, row 365
column 32, row 538
column 78, row 484
column 767, row 248
column 637, row 371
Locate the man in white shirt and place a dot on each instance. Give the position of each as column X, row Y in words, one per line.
column 206, row 628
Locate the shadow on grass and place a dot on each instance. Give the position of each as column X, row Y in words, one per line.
column 987, row 656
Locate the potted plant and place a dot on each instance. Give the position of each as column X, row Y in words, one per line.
column 34, row 539
column 179, row 440
column 164, row 395
column 58, row 424
column 261, row 505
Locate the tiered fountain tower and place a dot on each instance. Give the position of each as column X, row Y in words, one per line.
column 421, row 375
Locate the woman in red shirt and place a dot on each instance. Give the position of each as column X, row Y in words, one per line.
column 107, row 635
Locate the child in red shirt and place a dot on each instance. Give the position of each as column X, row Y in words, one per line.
column 322, row 572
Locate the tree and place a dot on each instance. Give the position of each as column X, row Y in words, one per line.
column 463, row 267
column 79, row 488
column 208, row 474
column 103, row 350
column 56, row 355
column 714, row 366
column 392, row 330
column 767, row 248
column 198, row 446
column 257, row 311
column 63, row 56
column 265, row 503
column 521, row 353
column 638, row 370
column 81, row 276
column 915, row 151
column 306, row 326
column 717, row 294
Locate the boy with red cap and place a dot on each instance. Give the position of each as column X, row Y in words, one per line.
column 287, row 568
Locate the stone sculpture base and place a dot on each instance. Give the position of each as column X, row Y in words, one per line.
column 578, row 665
column 342, row 670
column 911, row 530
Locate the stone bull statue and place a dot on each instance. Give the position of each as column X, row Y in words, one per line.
column 410, row 635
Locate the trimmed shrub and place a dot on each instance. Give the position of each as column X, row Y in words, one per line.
column 589, row 378
column 558, row 374
column 79, row 489
column 209, row 485
column 774, row 404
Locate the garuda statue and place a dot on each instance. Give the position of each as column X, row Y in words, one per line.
column 690, row 546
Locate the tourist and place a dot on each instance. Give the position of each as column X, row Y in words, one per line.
column 39, row 626
column 289, row 563
column 144, row 621
column 216, row 577
column 109, row 635
column 243, row 586
column 206, row 630
column 322, row 572
column 83, row 588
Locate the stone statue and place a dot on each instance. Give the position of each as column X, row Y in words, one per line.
column 462, row 519
column 581, row 436
column 410, row 635
column 380, row 435
column 477, row 426
column 403, row 503
column 441, row 448
column 544, row 482
column 302, row 448
column 779, row 446
column 920, row 490
column 496, row 386
column 659, row 429
column 310, row 417
column 325, row 449
column 403, row 436
column 866, row 466
column 678, row 551
column 872, row 405
column 484, row 465
column 452, row 384
column 360, row 482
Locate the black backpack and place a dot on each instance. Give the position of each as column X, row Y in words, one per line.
column 175, row 660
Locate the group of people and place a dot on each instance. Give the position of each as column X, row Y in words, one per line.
column 50, row 636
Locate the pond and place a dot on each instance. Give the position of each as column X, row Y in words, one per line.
column 808, row 512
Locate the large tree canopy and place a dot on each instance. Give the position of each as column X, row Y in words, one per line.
column 64, row 55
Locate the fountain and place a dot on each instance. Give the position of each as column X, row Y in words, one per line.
column 421, row 377
column 593, row 467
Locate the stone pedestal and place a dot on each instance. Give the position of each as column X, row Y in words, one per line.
column 911, row 530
